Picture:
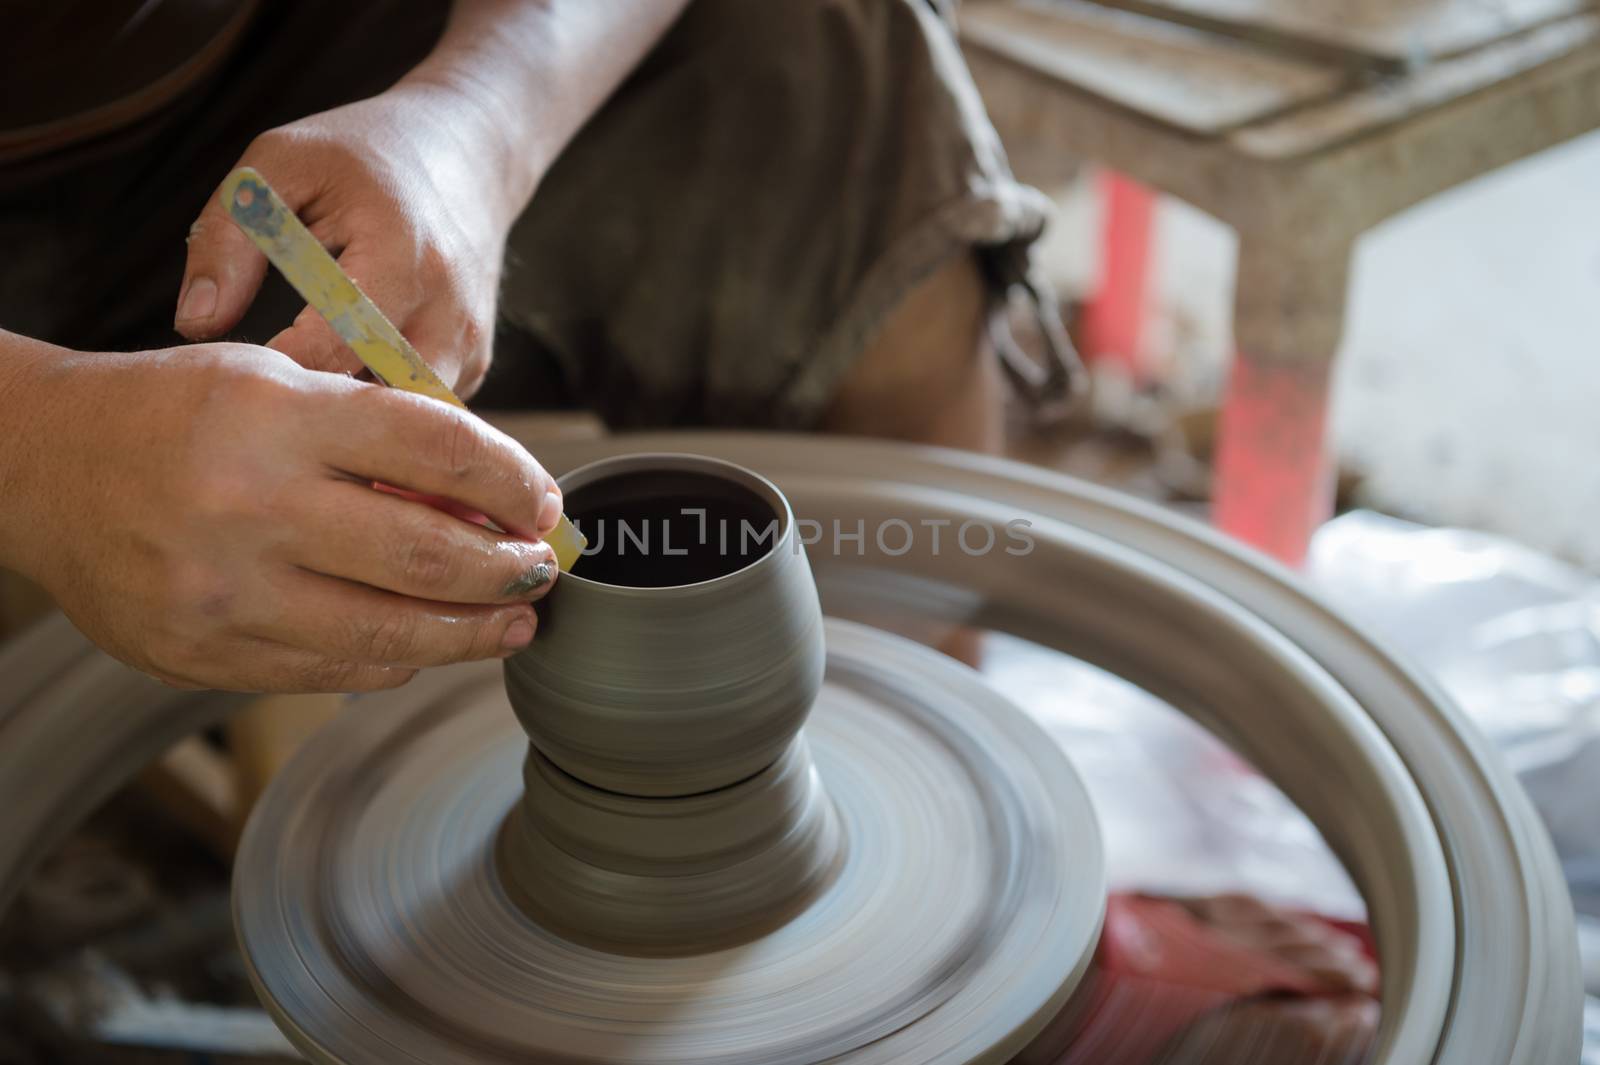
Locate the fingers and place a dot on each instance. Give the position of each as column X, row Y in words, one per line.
column 223, row 273
column 387, row 275
column 409, row 548
column 1338, row 964
column 1230, row 908
column 426, row 446
column 450, row 337
column 252, row 664
column 1331, row 956
column 1331, row 1031
column 311, row 342
column 353, row 623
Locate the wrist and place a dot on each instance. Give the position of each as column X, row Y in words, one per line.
column 496, row 141
column 28, row 372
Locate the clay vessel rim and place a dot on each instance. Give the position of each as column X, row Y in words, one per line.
column 680, row 462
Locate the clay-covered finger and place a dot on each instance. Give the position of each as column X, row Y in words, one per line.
column 421, row 444
column 399, row 545
column 353, row 622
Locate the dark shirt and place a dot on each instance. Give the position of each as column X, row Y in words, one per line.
column 71, row 70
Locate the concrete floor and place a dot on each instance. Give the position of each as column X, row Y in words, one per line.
column 1469, row 386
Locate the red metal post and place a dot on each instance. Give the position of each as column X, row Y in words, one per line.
column 1113, row 323
column 1274, row 472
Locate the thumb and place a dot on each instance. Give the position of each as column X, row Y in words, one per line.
column 221, row 278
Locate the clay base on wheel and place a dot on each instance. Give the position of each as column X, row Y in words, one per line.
column 670, row 876
column 964, row 909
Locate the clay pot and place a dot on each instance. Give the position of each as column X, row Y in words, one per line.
column 670, row 805
column 683, row 652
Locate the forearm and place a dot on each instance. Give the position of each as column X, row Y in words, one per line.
column 536, row 70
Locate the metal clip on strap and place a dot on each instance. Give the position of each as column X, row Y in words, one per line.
column 1054, row 388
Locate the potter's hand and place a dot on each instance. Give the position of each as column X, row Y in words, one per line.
column 1337, row 1028
column 1332, row 958
column 395, row 186
column 415, row 189
column 1330, row 1031
column 207, row 515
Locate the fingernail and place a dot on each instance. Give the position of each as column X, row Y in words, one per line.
column 199, row 300
column 518, row 635
column 550, row 513
column 531, row 580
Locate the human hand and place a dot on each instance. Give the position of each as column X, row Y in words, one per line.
column 1334, row 959
column 1269, row 1031
column 207, row 514
column 400, row 188
column 1338, row 1028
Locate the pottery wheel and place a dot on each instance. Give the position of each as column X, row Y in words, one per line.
column 965, row 908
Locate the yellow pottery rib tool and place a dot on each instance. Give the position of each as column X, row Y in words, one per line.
column 322, row 283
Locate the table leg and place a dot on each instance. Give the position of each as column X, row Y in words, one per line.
column 1113, row 319
column 1274, row 470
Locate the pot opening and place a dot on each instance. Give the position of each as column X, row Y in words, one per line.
column 664, row 528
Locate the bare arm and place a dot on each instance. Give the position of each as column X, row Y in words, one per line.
column 539, row 69
column 20, row 359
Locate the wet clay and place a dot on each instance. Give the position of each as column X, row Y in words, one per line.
column 670, row 805
column 686, row 686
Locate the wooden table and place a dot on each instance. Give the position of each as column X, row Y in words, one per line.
column 1302, row 124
